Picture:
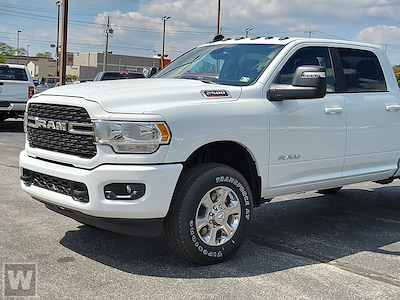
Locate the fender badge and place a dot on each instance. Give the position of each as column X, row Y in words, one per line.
column 287, row 157
column 214, row 94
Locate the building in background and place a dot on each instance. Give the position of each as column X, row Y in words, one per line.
column 37, row 66
column 42, row 67
column 85, row 66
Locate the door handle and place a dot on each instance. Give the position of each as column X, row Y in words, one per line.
column 333, row 110
column 392, row 107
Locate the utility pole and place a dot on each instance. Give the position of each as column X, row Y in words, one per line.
column 165, row 18
column 63, row 60
column 247, row 31
column 218, row 19
column 109, row 31
column 309, row 32
column 386, row 46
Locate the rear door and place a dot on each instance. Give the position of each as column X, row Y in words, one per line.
column 373, row 113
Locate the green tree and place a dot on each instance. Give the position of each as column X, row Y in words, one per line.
column 7, row 49
column 44, row 55
column 72, row 77
column 21, row 52
column 396, row 70
column 2, row 58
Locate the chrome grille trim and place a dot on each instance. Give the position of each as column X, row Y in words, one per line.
column 61, row 128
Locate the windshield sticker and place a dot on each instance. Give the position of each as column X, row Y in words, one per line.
column 245, row 79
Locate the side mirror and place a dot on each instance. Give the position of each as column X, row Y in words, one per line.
column 309, row 82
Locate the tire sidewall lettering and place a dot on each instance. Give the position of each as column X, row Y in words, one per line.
column 236, row 183
column 219, row 251
column 201, row 247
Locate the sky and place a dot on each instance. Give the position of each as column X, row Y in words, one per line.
column 138, row 25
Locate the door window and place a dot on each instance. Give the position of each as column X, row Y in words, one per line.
column 316, row 56
column 362, row 71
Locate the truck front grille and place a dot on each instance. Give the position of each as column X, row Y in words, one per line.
column 61, row 128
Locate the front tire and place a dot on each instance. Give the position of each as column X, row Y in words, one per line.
column 210, row 214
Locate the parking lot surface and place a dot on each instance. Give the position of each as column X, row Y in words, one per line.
column 303, row 246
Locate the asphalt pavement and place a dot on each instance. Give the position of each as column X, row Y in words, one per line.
column 303, row 246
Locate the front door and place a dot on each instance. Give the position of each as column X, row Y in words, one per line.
column 307, row 137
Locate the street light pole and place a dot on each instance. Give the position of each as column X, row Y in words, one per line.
column 19, row 31
column 27, row 52
column 165, row 18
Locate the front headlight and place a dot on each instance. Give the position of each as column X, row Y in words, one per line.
column 132, row 137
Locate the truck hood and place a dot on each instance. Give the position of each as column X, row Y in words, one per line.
column 148, row 95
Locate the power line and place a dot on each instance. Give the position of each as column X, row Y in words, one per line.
column 45, row 40
column 123, row 27
column 13, row 10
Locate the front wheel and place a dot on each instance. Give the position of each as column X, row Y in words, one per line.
column 210, row 214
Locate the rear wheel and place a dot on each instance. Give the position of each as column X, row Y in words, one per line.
column 210, row 214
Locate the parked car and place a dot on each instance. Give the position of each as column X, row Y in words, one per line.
column 49, row 82
column 16, row 87
column 44, row 83
column 114, row 75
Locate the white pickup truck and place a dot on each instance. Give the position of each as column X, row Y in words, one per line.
column 224, row 128
column 16, row 88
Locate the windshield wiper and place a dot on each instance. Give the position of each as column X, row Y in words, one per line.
column 196, row 78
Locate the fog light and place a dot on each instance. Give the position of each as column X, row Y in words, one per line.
column 124, row 191
column 26, row 177
column 79, row 192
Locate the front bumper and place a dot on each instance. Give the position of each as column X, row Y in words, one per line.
column 138, row 227
column 160, row 182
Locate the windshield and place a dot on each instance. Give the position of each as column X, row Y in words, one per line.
column 238, row 64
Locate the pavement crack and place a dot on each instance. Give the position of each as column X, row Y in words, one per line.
column 329, row 261
column 8, row 166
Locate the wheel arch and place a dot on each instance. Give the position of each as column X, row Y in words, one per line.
column 231, row 154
